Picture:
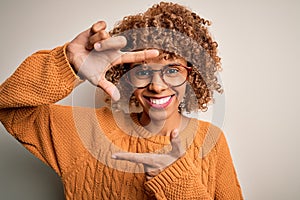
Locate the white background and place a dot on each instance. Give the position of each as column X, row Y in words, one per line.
column 258, row 42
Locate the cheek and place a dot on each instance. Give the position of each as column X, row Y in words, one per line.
column 180, row 91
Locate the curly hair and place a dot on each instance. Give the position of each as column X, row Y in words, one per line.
column 179, row 32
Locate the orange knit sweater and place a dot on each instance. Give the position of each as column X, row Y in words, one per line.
column 78, row 142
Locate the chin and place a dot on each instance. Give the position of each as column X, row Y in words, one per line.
column 159, row 114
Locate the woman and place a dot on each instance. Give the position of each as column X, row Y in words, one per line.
column 163, row 62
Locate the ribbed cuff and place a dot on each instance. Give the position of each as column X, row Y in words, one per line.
column 69, row 76
column 173, row 172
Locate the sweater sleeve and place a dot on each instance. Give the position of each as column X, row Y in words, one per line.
column 27, row 96
column 227, row 184
column 206, row 174
column 43, row 78
column 181, row 180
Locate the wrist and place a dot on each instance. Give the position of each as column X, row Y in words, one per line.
column 71, row 59
column 70, row 56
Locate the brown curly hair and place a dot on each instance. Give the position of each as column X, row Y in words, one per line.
column 179, row 32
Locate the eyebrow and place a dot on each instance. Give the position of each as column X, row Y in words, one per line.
column 170, row 64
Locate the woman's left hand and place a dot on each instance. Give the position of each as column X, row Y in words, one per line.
column 155, row 163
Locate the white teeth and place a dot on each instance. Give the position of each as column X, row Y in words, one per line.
column 160, row 101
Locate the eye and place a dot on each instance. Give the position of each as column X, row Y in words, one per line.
column 171, row 71
column 142, row 73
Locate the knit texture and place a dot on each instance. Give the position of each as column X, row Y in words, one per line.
column 78, row 142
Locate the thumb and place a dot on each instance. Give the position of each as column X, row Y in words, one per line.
column 175, row 133
column 177, row 149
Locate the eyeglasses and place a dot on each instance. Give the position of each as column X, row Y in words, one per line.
column 173, row 75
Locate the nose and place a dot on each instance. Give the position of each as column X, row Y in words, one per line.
column 157, row 84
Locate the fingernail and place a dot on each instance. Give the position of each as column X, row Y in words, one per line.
column 97, row 46
column 156, row 52
column 175, row 133
column 113, row 156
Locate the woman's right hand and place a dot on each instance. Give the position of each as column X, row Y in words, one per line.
column 93, row 52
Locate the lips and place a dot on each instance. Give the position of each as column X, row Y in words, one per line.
column 159, row 103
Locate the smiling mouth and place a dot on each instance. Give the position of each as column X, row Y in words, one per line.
column 159, row 102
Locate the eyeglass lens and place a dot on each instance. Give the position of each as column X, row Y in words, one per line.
column 172, row 74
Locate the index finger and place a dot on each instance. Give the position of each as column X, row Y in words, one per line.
column 137, row 56
column 98, row 26
column 132, row 157
column 143, row 158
